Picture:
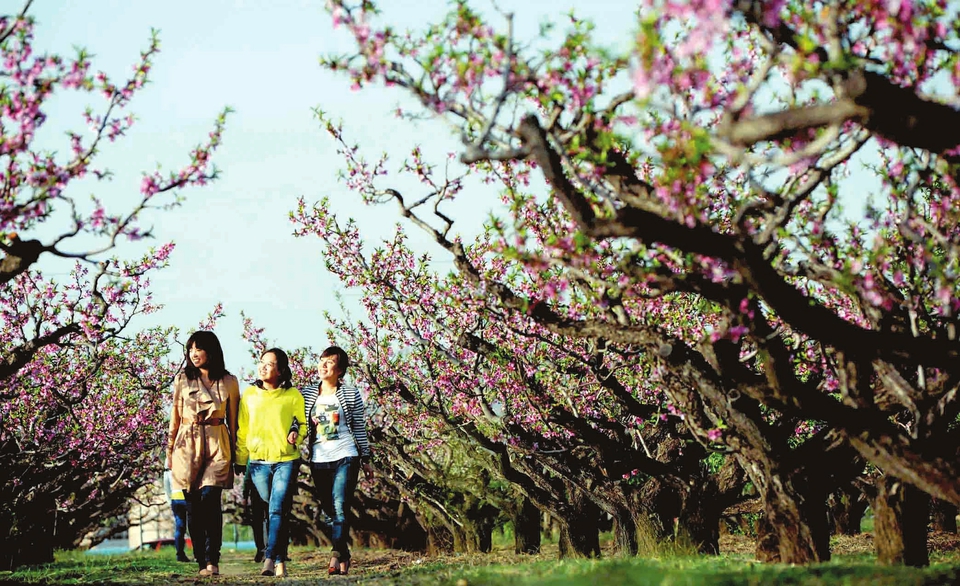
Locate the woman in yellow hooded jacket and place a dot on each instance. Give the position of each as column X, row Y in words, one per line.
column 270, row 428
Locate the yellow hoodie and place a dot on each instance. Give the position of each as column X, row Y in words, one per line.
column 265, row 420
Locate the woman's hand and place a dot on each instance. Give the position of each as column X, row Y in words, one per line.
column 292, row 437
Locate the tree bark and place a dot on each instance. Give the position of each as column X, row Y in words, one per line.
column 439, row 538
column 477, row 530
column 579, row 538
column 690, row 513
column 793, row 527
column 943, row 516
column 579, row 531
column 846, row 506
column 526, row 528
column 465, row 539
column 704, row 498
column 741, row 518
column 699, row 521
column 663, row 505
column 901, row 512
column 31, row 544
column 624, row 534
column 394, row 527
column 793, row 484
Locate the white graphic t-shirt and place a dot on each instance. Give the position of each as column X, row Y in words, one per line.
column 334, row 438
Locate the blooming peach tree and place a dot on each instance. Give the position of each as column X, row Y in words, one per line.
column 83, row 395
column 448, row 362
column 757, row 205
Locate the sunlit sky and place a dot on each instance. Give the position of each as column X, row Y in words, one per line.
column 234, row 242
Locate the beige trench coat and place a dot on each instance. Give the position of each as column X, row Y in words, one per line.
column 203, row 431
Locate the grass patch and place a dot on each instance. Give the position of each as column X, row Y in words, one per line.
column 81, row 568
column 678, row 572
column 501, row 567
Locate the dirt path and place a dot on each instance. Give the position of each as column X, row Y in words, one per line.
column 371, row 566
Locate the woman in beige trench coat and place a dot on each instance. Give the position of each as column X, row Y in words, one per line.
column 202, row 442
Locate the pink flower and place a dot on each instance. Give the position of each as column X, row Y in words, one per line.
column 642, row 84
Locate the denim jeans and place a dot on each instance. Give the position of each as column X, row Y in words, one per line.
column 181, row 514
column 257, row 514
column 336, row 483
column 276, row 482
column 206, row 524
column 258, row 510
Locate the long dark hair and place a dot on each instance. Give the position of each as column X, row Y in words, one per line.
column 208, row 342
column 283, row 365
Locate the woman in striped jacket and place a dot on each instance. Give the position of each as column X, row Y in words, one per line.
column 337, row 446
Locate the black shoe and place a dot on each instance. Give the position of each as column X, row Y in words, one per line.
column 182, row 557
column 259, row 557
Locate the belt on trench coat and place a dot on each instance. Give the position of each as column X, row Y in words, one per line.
column 213, row 421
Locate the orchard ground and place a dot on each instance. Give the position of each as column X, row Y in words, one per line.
column 853, row 563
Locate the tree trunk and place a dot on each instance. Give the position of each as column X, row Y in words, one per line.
column 943, row 516
column 29, row 542
column 579, row 538
column 479, row 520
column 579, row 530
column 699, row 522
column 485, row 541
column 793, row 527
column 663, row 505
column 551, row 526
column 526, row 528
column 901, row 512
column 439, row 538
column 27, row 550
column 689, row 513
column 475, row 536
column 402, row 532
column 624, row 534
column 846, row 506
column 465, row 539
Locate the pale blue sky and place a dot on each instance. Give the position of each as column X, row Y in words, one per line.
column 234, row 241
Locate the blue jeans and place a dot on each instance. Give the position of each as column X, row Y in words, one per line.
column 206, row 524
column 276, row 482
column 257, row 514
column 336, row 483
column 181, row 514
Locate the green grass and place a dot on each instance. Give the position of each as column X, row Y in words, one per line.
column 679, row 572
column 376, row 567
column 80, row 568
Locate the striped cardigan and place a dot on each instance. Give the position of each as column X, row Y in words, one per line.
column 353, row 409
